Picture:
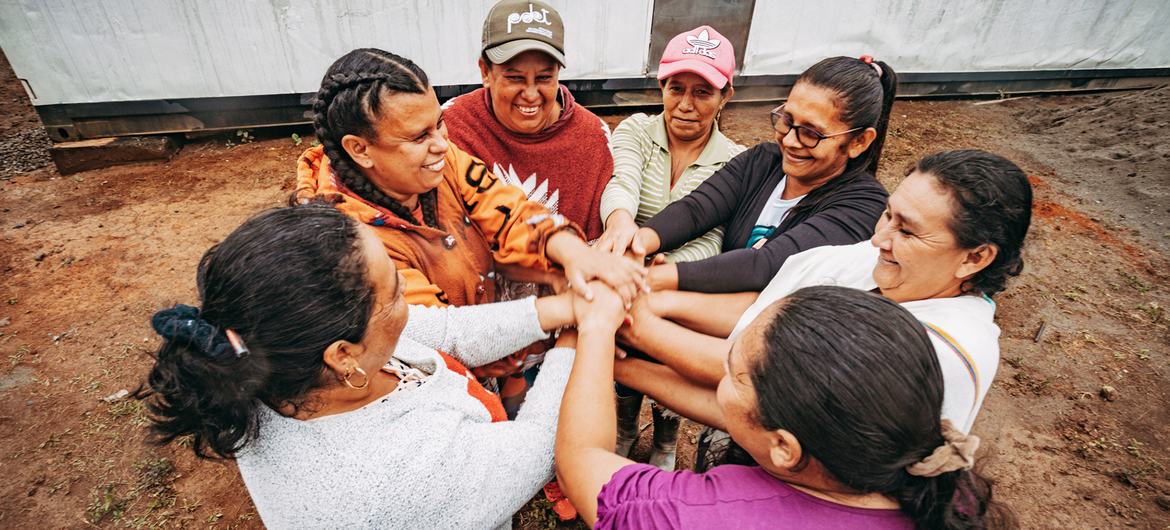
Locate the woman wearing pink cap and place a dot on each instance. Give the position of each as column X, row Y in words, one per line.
column 659, row 159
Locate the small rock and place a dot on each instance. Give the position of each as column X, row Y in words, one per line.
column 18, row 225
column 5, row 321
column 40, row 256
column 1163, row 502
column 1107, row 393
column 116, row 396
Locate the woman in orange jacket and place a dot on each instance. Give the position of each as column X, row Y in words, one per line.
column 444, row 219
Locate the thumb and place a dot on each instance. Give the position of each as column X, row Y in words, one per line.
column 580, row 286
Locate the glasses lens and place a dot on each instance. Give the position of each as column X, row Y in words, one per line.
column 807, row 137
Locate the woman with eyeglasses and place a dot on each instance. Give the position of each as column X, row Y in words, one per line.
column 815, row 186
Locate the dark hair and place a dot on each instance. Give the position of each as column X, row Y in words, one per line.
column 290, row 282
column 350, row 101
column 860, row 387
column 865, row 100
column 992, row 201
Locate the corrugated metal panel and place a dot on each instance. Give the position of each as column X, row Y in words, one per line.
column 944, row 36
column 118, row 50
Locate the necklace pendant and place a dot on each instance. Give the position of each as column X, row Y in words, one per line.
column 449, row 242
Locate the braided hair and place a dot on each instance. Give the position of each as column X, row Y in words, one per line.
column 349, row 102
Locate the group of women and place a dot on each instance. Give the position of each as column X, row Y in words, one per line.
column 836, row 342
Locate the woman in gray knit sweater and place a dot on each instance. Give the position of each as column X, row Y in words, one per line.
column 343, row 406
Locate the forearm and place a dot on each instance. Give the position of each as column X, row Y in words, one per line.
column 714, row 314
column 696, row 356
column 555, row 312
column 480, row 334
column 587, row 408
column 670, row 389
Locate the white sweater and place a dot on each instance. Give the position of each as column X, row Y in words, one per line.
column 427, row 457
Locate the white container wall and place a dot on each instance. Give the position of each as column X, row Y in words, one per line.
column 102, row 51
column 788, row 36
column 91, row 51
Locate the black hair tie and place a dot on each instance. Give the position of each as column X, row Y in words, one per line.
column 183, row 325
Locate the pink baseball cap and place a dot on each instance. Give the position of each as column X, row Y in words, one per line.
column 702, row 51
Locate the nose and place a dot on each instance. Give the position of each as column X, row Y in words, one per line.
column 439, row 144
column 686, row 104
column 530, row 93
column 881, row 234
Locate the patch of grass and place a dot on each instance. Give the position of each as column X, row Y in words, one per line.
column 132, row 409
column 155, row 485
column 1153, row 311
column 1135, row 282
column 106, row 502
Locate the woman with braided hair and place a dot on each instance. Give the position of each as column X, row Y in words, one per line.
column 445, row 220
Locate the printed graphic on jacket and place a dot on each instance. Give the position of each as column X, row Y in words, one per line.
column 536, row 193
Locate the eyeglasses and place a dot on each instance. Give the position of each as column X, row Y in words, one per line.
column 810, row 138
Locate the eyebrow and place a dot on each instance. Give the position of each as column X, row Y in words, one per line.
column 806, row 123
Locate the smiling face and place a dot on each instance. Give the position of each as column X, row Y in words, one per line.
column 817, row 108
column 919, row 256
column 407, row 155
column 523, row 91
column 389, row 314
column 689, row 105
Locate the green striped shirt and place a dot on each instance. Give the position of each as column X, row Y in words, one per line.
column 641, row 177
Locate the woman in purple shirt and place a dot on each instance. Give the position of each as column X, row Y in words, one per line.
column 834, row 392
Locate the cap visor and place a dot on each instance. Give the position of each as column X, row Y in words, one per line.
column 506, row 51
column 704, row 70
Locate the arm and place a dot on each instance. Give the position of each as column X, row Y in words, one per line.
column 709, row 206
column 671, row 390
column 849, row 219
column 625, row 188
column 480, row 334
column 696, row 356
column 702, row 247
column 585, row 460
column 714, row 314
column 490, row 470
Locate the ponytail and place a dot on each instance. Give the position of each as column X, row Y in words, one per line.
column 866, row 89
column 275, row 294
column 958, row 500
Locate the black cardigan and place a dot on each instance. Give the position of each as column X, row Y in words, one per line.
column 734, row 197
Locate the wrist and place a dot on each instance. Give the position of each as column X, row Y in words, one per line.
column 663, row 277
column 555, row 312
column 597, row 327
column 563, row 246
column 649, row 239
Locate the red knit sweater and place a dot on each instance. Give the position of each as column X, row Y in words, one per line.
column 565, row 167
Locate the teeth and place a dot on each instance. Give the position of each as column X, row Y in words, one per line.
column 527, row 110
column 437, row 166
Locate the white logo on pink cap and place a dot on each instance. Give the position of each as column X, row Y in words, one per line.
column 702, row 44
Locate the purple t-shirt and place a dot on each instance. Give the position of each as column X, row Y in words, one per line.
column 643, row 496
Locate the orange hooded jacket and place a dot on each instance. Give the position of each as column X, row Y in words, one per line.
column 484, row 222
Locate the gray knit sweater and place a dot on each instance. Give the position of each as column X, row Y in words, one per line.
column 427, row 457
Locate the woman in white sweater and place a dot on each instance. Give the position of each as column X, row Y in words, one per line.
column 342, row 406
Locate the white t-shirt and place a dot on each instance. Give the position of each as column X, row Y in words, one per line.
column 962, row 328
column 774, row 212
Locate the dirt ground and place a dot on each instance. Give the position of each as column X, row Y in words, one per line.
column 1075, row 428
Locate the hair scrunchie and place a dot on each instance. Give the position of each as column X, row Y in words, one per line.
column 182, row 325
column 956, row 453
column 868, row 59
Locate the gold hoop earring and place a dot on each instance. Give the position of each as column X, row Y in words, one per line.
column 365, row 379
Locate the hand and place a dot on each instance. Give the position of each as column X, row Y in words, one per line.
column 503, row 367
column 620, row 229
column 583, row 263
column 624, row 275
column 603, row 314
